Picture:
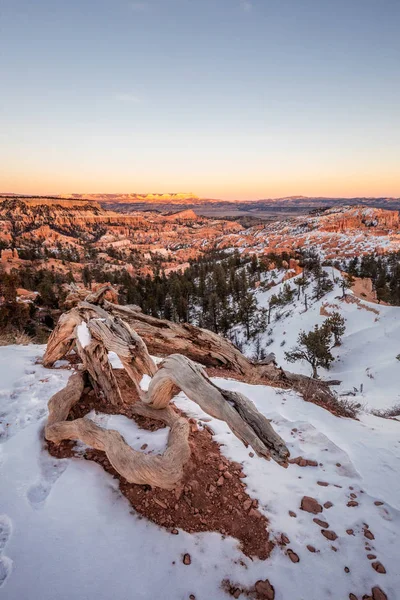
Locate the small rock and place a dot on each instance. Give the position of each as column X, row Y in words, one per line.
column 186, row 559
column 211, row 488
column 323, row 483
column 174, row 531
column 312, row 463
column 220, row 481
column 253, row 512
column 352, row 495
column 227, row 475
column 378, row 594
column 236, row 592
column 310, row 505
column 285, row 539
column 328, row 504
column 143, row 446
column 247, row 504
column 352, row 597
column 371, row 556
column 192, row 597
column 251, row 454
column 221, row 467
column 292, row 513
column 323, row 524
column 330, row 535
column 368, row 534
column 264, row 589
column 378, row 503
column 352, row 503
column 350, row 531
column 346, row 570
column 311, row 548
column 293, row 556
column 378, row 566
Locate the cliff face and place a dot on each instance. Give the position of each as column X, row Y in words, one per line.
column 50, row 217
column 361, row 218
column 335, row 233
column 61, row 231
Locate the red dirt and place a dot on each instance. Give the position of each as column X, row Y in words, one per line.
column 199, row 504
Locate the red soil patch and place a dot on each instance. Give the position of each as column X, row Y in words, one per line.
column 212, row 496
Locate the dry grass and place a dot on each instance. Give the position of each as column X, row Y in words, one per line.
column 20, row 338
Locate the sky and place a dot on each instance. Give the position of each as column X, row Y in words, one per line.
column 233, row 99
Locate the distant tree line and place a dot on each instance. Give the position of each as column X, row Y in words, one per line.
column 384, row 272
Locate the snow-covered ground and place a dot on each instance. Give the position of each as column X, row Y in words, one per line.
column 66, row 531
column 370, row 345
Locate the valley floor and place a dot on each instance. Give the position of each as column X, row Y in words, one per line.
column 67, row 532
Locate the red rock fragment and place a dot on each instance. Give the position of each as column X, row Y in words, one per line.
column 378, row 503
column 310, row 505
column 323, row 483
column 330, row 535
column 293, row 556
column 378, row 594
column 186, row 559
column 323, row 524
column 247, row 504
column 311, row 548
column 328, row 504
column 368, row 534
column 292, row 513
column 285, row 539
column 265, row 590
column 350, row 531
column 371, row 556
column 378, row 566
column 352, row 503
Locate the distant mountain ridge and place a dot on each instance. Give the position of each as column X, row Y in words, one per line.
column 189, row 199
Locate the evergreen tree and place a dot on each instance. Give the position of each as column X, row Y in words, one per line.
column 336, row 325
column 314, row 348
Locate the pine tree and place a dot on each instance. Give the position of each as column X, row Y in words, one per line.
column 314, row 348
column 336, row 325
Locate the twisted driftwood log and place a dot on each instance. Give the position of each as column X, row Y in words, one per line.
column 235, row 409
column 94, row 333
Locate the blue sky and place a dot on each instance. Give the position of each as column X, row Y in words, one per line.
column 224, row 98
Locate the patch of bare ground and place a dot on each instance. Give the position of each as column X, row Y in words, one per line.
column 354, row 300
column 212, row 496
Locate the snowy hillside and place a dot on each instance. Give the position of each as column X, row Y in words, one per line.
column 367, row 356
column 66, row 531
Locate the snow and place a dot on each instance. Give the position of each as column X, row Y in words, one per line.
column 84, row 336
column 369, row 347
column 67, row 532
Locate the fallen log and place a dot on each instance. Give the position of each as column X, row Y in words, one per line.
column 164, row 337
column 235, row 409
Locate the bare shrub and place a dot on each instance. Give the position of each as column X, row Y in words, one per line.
column 388, row 413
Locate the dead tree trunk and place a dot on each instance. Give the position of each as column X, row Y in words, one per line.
column 94, row 333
